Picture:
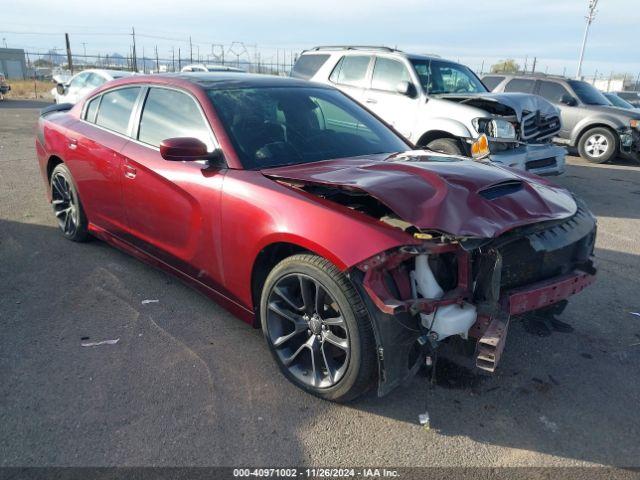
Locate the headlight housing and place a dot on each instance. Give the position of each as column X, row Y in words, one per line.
column 495, row 128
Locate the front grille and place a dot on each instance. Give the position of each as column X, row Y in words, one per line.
column 549, row 252
column 541, row 163
column 521, row 265
column 537, row 127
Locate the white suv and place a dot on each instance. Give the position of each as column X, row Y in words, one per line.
column 441, row 105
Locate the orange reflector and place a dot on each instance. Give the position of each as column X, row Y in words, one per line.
column 480, row 148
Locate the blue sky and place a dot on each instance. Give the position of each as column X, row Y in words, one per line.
column 471, row 32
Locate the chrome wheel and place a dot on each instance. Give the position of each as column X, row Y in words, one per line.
column 597, row 145
column 65, row 204
column 307, row 330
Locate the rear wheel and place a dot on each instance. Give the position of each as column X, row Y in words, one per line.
column 598, row 145
column 67, row 206
column 317, row 328
column 445, row 145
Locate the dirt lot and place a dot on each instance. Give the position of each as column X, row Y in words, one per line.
column 188, row 384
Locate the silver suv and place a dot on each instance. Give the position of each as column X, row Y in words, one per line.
column 590, row 122
column 441, row 105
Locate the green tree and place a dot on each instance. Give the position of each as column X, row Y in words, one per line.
column 505, row 66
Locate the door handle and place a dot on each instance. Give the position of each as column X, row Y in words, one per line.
column 371, row 100
column 129, row 171
column 73, row 144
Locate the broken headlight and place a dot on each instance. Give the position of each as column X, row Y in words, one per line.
column 495, row 128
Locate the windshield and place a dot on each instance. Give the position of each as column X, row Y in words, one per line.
column 617, row 101
column 283, row 126
column 439, row 76
column 588, row 94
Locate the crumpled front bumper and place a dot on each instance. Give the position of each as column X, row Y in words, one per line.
column 541, row 159
column 629, row 143
column 492, row 277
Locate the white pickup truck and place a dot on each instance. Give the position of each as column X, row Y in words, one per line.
column 441, row 105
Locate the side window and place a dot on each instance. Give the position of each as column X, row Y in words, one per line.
column 523, row 85
column 492, row 82
column 308, row 65
column 78, row 81
column 92, row 109
column 170, row 114
column 552, row 91
column 387, row 74
column 351, row 70
column 115, row 109
column 94, row 81
column 335, row 119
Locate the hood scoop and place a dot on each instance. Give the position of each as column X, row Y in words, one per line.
column 464, row 198
column 501, row 189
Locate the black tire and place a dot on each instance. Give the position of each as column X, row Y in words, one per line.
column 67, row 206
column 349, row 370
column 592, row 142
column 445, row 145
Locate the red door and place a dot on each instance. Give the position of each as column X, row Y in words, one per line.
column 172, row 208
column 94, row 160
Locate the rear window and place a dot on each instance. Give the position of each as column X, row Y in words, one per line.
column 308, row 65
column 523, row 85
column 492, row 82
column 351, row 70
column 115, row 109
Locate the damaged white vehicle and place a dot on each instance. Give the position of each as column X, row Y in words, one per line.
column 441, row 105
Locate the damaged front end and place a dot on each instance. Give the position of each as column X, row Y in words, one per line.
column 419, row 297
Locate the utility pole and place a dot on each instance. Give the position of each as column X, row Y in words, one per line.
column 173, row 60
column 69, row 59
column 157, row 61
column 84, row 49
column 179, row 60
column 190, row 51
column 590, row 16
column 135, row 55
column 533, row 67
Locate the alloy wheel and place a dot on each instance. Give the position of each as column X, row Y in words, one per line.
column 596, row 145
column 65, row 205
column 307, row 330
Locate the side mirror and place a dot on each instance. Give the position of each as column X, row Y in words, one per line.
column 61, row 89
column 568, row 100
column 187, row 149
column 406, row 88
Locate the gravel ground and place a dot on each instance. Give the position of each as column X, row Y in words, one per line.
column 188, row 384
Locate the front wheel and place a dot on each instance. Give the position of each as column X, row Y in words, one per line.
column 598, row 145
column 445, row 145
column 317, row 328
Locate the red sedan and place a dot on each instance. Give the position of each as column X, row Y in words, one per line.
column 304, row 214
